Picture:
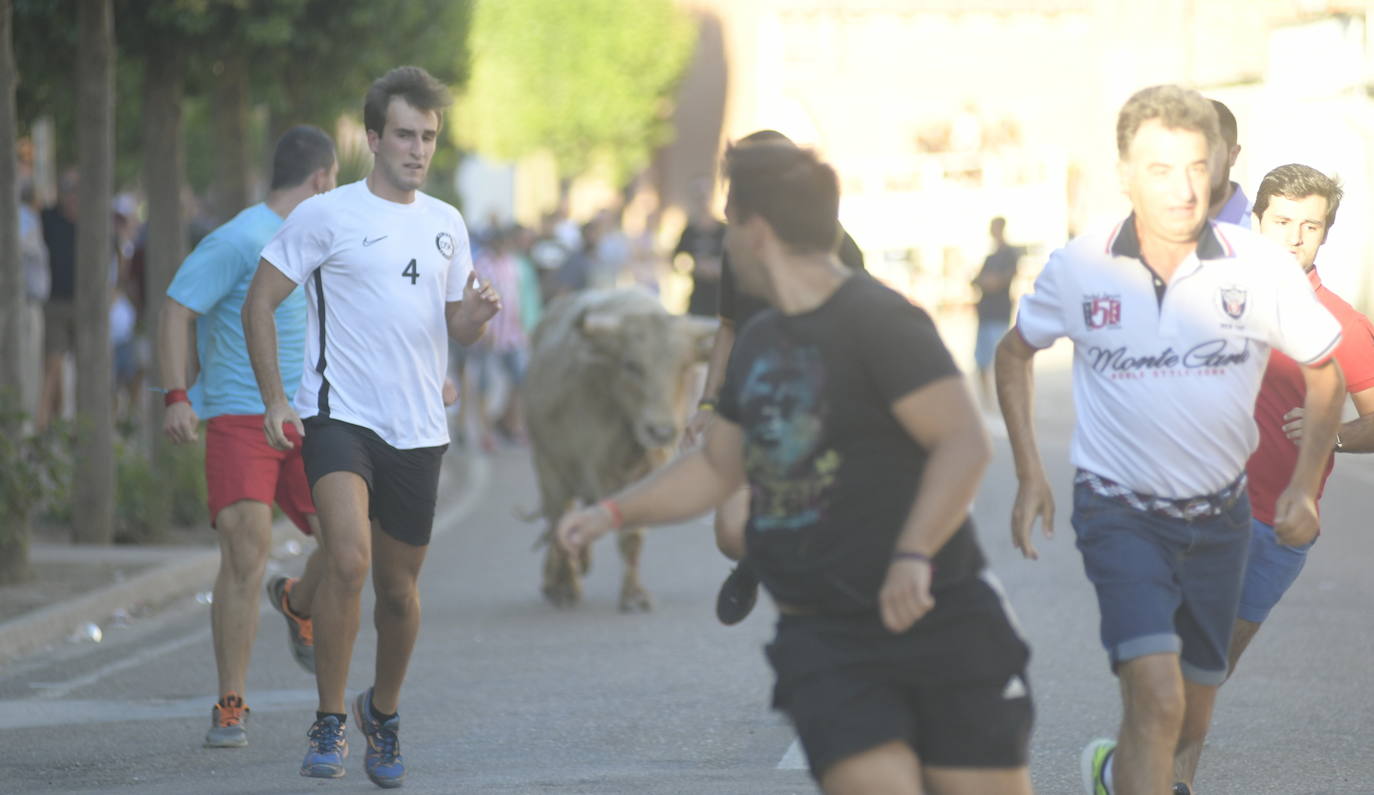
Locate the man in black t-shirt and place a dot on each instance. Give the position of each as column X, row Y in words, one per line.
column 740, row 590
column 895, row 656
column 702, row 241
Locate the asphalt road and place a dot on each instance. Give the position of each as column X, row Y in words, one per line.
column 509, row 695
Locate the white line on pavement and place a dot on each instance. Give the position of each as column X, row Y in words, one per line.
column 31, row 713
column 54, row 690
column 794, row 759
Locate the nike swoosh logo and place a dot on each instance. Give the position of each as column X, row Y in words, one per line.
column 367, row 242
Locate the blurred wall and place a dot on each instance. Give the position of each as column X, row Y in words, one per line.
column 941, row 113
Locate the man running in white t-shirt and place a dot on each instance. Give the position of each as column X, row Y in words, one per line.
column 388, row 276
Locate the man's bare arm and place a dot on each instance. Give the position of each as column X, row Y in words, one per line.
column 467, row 319
column 942, row 419
column 1295, row 511
column 1322, row 413
column 692, row 484
column 721, row 346
column 1357, row 436
column 174, row 345
column 266, row 292
column 175, row 364
column 269, row 288
column 1015, row 393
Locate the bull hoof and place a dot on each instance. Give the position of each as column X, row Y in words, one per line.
column 561, row 595
column 636, row 601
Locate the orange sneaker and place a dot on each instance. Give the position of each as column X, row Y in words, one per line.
column 226, row 723
column 301, row 631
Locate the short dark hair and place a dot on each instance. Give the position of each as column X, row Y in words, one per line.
column 416, row 86
column 300, row 152
column 765, row 137
column 1227, row 120
column 1296, row 181
column 790, row 188
column 1175, row 107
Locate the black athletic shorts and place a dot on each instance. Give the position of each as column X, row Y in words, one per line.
column 955, row 690
column 402, row 485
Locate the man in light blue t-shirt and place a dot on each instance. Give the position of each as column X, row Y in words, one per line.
column 244, row 474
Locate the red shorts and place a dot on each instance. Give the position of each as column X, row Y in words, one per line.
column 241, row 465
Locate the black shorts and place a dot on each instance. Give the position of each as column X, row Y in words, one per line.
column 956, row 690
column 402, row 485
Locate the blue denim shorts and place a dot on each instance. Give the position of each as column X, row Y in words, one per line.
column 1163, row 584
column 1271, row 569
column 990, row 332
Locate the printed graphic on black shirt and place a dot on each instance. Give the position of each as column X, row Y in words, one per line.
column 784, row 398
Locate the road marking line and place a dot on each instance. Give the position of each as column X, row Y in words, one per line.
column 29, row 714
column 794, row 759
column 479, row 474
column 51, row 690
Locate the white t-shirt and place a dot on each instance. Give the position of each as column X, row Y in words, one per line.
column 377, row 276
column 1165, row 388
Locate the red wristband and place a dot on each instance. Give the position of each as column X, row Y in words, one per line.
column 614, row 510
column 175, row 396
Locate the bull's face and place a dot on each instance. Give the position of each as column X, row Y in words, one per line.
column 647, row 358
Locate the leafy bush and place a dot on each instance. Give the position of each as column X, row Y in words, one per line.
column 149, row 494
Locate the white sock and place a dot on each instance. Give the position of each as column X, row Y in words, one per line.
column 1107, row 771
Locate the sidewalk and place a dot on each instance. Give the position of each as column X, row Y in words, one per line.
column 137, row 578
column 125, row 581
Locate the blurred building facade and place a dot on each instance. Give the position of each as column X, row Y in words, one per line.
column 940, row 114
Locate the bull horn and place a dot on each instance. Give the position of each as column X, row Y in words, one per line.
column 600, row 322
column 698, row 326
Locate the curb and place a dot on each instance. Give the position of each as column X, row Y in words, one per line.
column 184, row 574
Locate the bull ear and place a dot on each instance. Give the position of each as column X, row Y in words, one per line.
column 702, row 333
column 600, row 323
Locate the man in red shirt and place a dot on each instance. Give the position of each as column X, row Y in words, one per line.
column 1296, row 206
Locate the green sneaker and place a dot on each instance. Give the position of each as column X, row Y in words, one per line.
column 1093, row 765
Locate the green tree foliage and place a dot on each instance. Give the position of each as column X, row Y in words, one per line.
column 310, row 60
column 586, row 80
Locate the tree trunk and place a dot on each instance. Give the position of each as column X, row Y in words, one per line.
column 163, row 88
column 13, row 329
column 93, row 508
column 14, row 528
column 232, row 189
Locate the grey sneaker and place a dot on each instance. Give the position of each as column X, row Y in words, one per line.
column 300, row 631
column 226, row 723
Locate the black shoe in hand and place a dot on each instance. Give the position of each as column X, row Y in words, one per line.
column 737, row 595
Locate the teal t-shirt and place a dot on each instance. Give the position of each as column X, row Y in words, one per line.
column 213, row 282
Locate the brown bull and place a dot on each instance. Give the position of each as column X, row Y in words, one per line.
column 605, row 402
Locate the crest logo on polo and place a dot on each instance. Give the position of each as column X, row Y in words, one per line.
column 1233, row 301
column 1102, row 311
column 444, row 242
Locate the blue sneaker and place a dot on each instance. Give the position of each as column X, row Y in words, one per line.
column 383, row 762
column 328, row 749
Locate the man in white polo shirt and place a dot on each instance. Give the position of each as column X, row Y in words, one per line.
column 1172, row 318
column 388, row 277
